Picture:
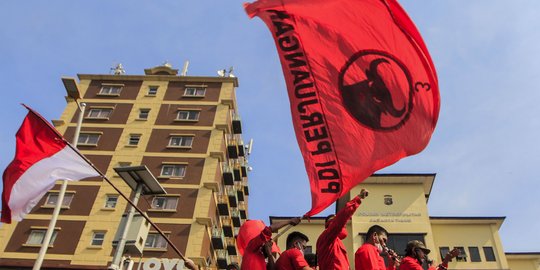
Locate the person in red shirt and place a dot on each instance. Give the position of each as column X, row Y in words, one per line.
column 430, row 265
column 253, row 258
column 368, row 257
column 331, row 253
column 415, row 255
column 293, row 257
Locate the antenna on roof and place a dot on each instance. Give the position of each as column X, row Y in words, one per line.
column 231, row 72
column 185, row 68
column 118, row 69
column 250, row 147
column 167, row 64
column 221, row 72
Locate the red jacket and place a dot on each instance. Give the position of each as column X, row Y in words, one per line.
column 410, row 263
column 367, row 258
column 253, row 258
column 291, row 259
column 331, row 253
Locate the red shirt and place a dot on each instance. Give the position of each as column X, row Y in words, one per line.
column 367, row 258
column 291, row 259
column 331, row 253
column 410, row 263
column 253, row 258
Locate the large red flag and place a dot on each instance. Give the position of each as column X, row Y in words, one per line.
column 362, row 87
column 42, row 157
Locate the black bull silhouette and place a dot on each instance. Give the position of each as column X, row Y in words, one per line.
column 369, row 99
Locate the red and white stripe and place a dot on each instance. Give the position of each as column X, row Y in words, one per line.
column 42, row 157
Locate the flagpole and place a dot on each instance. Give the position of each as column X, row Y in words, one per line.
column 60, row 200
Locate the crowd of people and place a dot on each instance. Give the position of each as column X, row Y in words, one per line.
column 259, row 254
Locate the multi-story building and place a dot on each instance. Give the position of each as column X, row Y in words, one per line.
column 186, row 130
column 398, row 202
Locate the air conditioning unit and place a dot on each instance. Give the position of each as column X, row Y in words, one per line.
column 136, row 236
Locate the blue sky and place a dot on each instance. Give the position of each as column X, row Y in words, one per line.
column 484, row 149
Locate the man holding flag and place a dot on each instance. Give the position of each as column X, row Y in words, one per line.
column 331, row 253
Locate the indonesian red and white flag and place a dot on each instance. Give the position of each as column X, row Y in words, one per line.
column 42, row 157
column 362, row 87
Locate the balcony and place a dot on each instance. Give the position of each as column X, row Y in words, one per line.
column 222, row 259
column 237, row 174
column 243, row 210
column 226, row 222
column 231, row 193
column 232, row 147
column 236, row 123
column 218, row 241
column 231, row 246
column 237, row 221
column 240, row 195
column 241, row 148
column 228, row 176
column 222, row 204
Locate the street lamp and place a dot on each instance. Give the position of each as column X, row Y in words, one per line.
column 141, row 180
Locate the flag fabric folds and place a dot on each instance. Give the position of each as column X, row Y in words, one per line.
column 362, row 87
column 42, row 157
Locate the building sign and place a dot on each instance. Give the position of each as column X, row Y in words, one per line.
column 376, row 217
column 388, row 200
column 163, row 264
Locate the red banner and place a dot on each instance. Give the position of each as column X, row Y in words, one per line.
column 362, row 87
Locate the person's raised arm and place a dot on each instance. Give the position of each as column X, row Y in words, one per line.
column 280, row 224
column 448, row 258
column 271, row 265
column 341, row 218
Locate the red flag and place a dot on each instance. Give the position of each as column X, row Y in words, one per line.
column 362, row 87
column 42, row 156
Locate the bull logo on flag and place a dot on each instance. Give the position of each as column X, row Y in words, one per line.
column 377, row 90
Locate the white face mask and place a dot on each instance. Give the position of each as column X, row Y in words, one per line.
column 379, row 247
column 299, row 246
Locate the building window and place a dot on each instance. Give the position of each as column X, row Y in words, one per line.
column 143, row 114
column 194, row 92
column 111, row 201
column 88, row 139
column 398, row 242
column 462, row 257
column 110, row 90
column 52, row 199
column 475, row 254
column 186, row 115
column 101, row 113
column 152, row 90
column 155, row 240
column 164, row 203
column 490, row 255
column 97, row 238
column 38, row 235
column 134, row 139
column 444, row 251
column 173, row 170
column 181, row 141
